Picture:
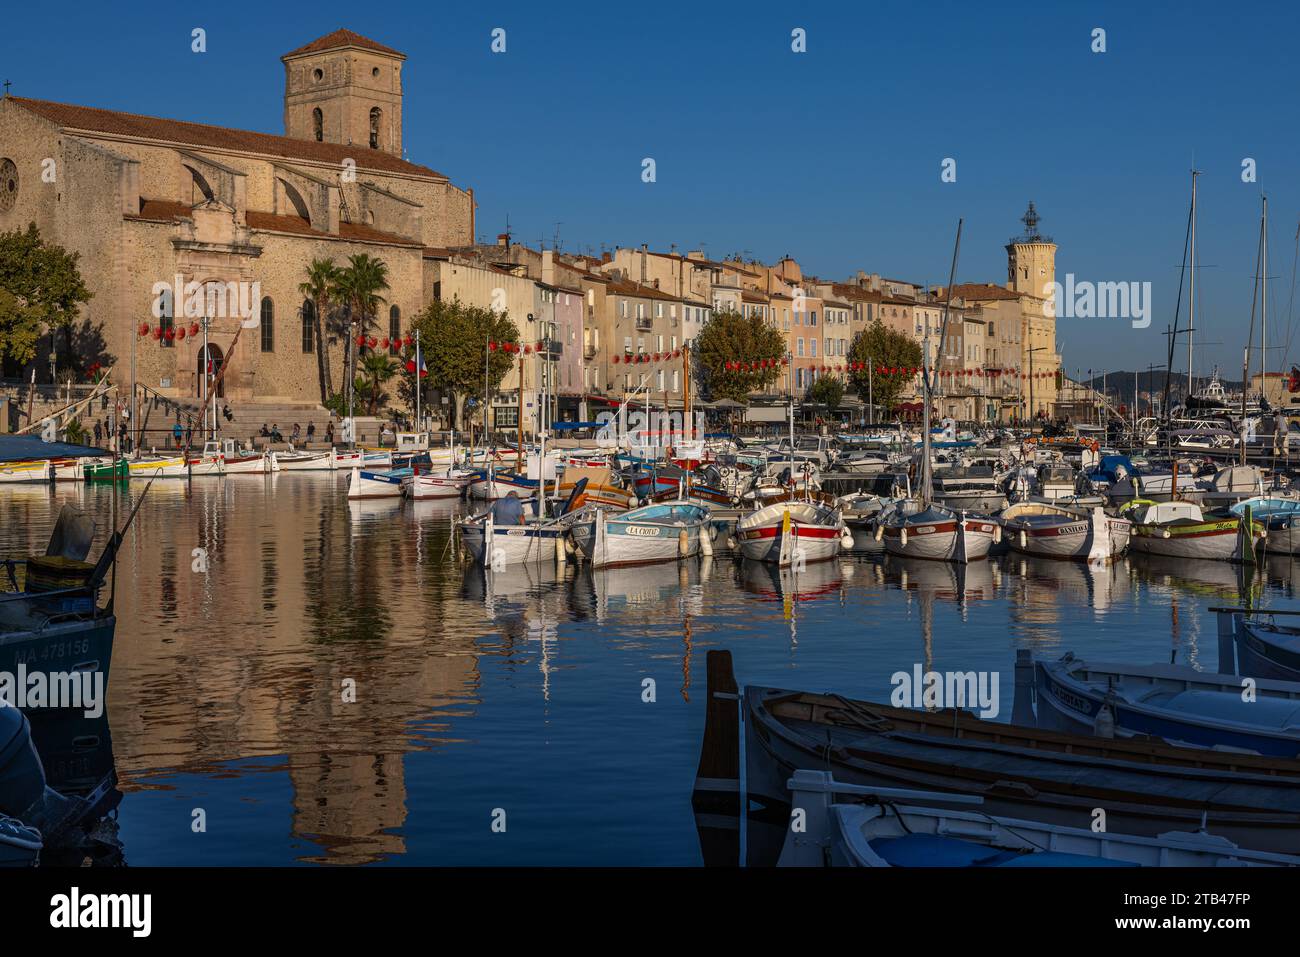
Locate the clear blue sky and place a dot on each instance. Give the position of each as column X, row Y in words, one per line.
column 832, row 156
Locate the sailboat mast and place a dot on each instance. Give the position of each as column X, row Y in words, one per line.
column 927, row 378
column 1191, row 296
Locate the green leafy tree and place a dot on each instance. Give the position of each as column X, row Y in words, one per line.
column 827, row 391
column 875, row 352
column 456, row 340
column 359, row 285
column 41, row 290
column 737, row 355
column 320, row 288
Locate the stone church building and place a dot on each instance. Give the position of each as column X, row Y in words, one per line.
column 145, row 200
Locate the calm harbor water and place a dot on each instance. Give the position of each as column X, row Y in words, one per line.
column 523, row 690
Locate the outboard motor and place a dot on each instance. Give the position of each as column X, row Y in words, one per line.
column 22, row 777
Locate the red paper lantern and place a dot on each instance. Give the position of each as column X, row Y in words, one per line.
column 157, row 334
column 373, row 342
column 785, row 361
column 144, row 328
column 492, row 346
column 408, row 342
column 180, row 333
column 615, row 360
column 361, row 341
column 170, row 333
column 528, row 350
column 410, row 365
column 194, row 328
column 384, row 342
column 656, row 359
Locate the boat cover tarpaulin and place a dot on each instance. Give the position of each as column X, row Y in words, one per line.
column 24, row 448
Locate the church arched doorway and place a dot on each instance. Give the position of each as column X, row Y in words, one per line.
column 209, row 363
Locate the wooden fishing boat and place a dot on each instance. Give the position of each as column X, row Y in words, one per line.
column 1280, row 518
column 654, row 533
column 488, row 485
column 1175, row 703
column 1185, row 530
column 935, row 532
column 1147, row 787
column 300, row 460
column 41, row 470
column 900, row 827
column 493, row 546
column 105, row 469
column 437, row 483
column 788, row 533
column 1056, row 531
column 165, row 466
column 363, row 483
column 603, row 488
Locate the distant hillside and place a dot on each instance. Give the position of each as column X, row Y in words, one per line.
column 1119, row 385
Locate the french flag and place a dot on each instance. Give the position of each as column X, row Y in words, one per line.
column 418, row 363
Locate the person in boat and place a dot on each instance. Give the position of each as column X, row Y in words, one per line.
column 508, row 510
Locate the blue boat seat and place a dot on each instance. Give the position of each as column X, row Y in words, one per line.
column 929, row 850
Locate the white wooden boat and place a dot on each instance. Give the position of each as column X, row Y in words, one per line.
column 41, row 470
column 937, row 533
column 792, row 533
column 1055, row 531
column 903, row 827
column 495, row 546
column 654, row 533
column 364, row 483
column 1173, row 702
column 300, row 460
column 444, row 482
column 162, row 466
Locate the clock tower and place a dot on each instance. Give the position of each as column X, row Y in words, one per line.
column 1031, row 259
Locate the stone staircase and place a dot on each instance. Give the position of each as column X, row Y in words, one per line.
column 247, row 419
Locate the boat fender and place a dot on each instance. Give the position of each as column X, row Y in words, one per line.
column 1104, row 725
column 902, row 536
column 1024, row 538
column 879, row 532
column 731, row 542
column 706, row 541
column 683, row 543
column 1164, row 533
column 997, row 534
column 560, row 554
column 846, row 538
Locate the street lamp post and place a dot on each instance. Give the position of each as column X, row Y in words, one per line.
column 1032, row 411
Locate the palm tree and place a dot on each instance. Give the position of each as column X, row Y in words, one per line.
column 319, row 288
column 377, row 368
column 359, row 284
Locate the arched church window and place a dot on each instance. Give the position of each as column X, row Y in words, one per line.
column 318, row 124
column 376, row 114
column 268, row 325
column 308, row 326
column 394, row 329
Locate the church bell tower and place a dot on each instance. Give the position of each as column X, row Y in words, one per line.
column 344, row 88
